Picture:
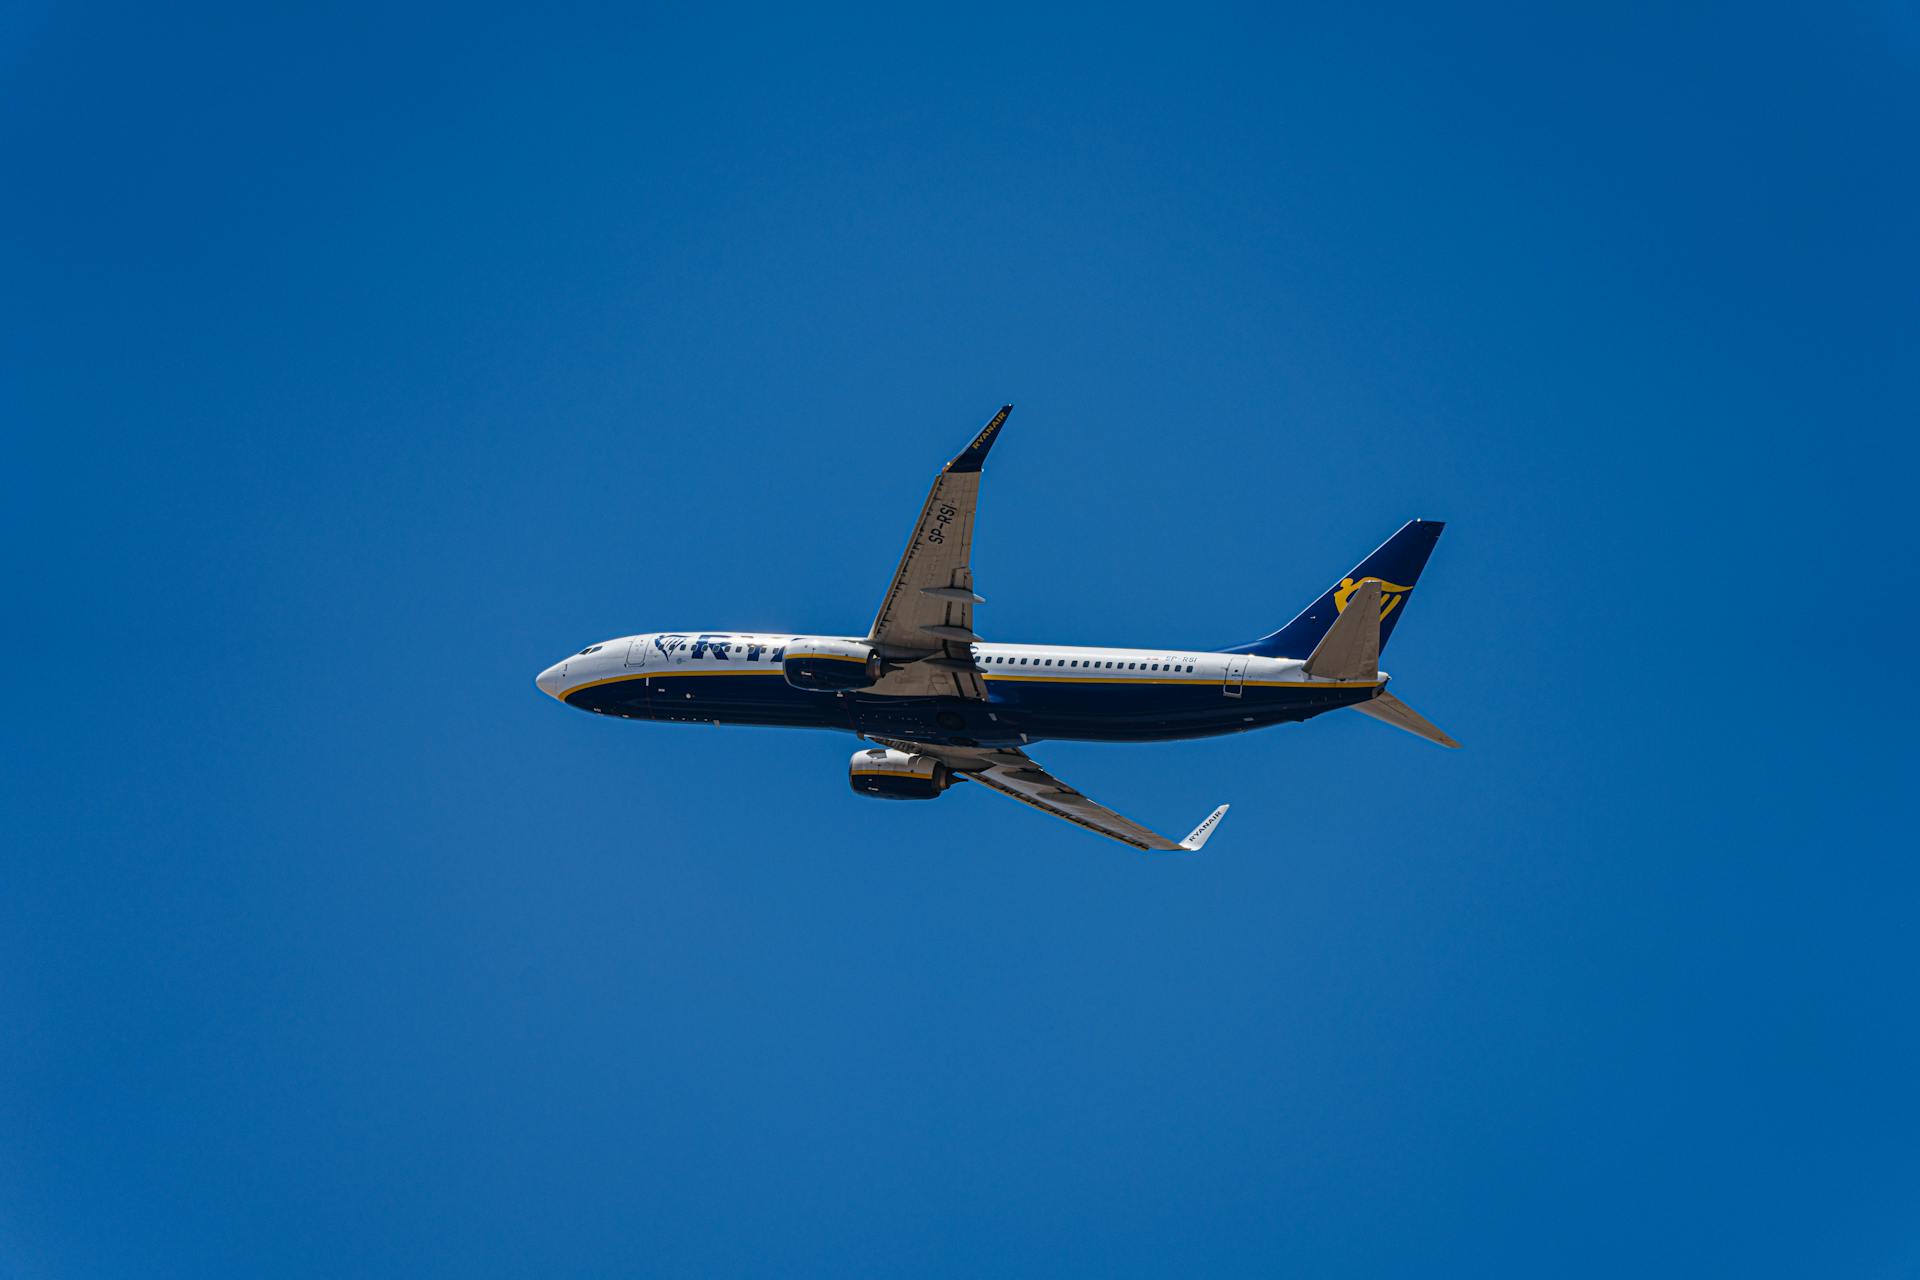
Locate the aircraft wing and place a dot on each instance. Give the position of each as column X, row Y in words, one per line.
column 926, row 617
column 1014, row 773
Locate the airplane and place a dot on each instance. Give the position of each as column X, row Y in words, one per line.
column 942, row 705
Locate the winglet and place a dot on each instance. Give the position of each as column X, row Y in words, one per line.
column 976, row 453
column 1202, row 833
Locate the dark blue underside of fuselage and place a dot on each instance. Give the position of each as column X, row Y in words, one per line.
column 1017, row 710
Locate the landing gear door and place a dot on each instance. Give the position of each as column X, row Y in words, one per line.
column 1236, row 676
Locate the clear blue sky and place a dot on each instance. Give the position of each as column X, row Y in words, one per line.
column 358, row 364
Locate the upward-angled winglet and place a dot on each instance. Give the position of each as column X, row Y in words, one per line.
column 1202, row 833
column 976, row 453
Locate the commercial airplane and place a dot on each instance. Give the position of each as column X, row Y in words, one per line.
column 943, row 705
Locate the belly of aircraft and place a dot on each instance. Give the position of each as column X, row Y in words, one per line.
column 1026, row 712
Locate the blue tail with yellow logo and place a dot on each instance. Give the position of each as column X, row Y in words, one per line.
column 1397, row 564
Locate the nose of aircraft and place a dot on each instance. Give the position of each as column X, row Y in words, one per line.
column 549, row 680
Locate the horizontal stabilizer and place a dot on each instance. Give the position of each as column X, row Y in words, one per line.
column 1390, row 710
column 1351, row 648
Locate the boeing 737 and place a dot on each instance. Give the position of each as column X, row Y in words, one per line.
column 941, row 705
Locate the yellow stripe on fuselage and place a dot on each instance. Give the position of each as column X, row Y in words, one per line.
column 1200, row 682
column 564, row 694
column 1204, row 682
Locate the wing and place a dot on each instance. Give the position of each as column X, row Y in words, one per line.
column 928, row 610
column 1013, row 772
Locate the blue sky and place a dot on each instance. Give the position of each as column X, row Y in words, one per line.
column 360, row 364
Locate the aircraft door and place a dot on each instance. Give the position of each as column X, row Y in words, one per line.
column 1236, row 676
column 637, row 654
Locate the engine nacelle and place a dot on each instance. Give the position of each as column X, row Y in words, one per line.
column 896, row 775
column 826, row 665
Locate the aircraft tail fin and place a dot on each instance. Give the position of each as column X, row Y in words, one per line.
column 1390, row 710
column 1397, row 563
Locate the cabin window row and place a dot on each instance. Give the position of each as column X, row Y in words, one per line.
column 718, row 649
column 1090, row 663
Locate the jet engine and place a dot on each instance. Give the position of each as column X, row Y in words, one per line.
column 898, row 775
column 826, row 665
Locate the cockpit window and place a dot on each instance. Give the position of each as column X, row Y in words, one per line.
column 592, row 648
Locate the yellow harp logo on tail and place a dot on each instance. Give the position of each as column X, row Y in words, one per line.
column 1390, row 594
